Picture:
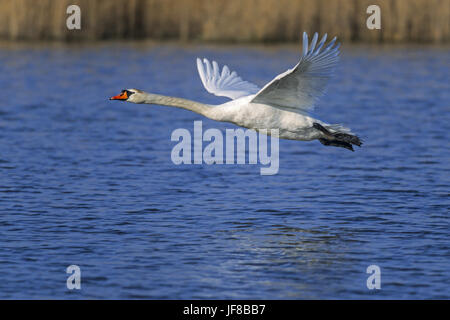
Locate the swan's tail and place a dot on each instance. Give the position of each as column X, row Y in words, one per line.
column 338, row 136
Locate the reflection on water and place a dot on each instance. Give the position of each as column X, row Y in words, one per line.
column 89, row 182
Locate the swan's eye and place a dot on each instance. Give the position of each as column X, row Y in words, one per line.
column 129, row 93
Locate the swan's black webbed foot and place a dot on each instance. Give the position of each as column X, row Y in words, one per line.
column 336, row 143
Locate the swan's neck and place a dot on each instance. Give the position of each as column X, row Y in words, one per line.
column 197, row 107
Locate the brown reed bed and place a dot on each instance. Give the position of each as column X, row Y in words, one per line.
column 226, row 20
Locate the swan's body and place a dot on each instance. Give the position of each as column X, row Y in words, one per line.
column 245, row 113
column 282, row 104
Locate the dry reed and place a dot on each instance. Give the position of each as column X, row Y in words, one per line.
column 226, row 20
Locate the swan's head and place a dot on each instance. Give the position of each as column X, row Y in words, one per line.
column 130, row 95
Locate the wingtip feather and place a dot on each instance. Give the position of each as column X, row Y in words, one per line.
column 305, row 43
column 313, row 42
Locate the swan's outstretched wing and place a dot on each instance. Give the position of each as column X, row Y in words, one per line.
column 298, row 88
column 225, row 83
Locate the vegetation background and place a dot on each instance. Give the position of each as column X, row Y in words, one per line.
column 225, row 20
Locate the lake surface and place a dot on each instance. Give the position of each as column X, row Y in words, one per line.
column 90, row 182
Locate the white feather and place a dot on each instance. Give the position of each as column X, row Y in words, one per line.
column 297, row 89
column 224, row 84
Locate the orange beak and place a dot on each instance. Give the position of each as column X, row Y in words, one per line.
column 121, row 96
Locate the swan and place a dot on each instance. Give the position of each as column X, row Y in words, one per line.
column 284, row 103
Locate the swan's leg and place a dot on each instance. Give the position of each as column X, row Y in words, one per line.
column 337, row 139
column 323, row 130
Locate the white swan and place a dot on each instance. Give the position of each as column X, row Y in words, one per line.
column 282, row 104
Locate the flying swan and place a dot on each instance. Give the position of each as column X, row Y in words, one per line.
column 283, row 104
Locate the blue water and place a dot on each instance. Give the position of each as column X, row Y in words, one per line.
column 90, row 182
